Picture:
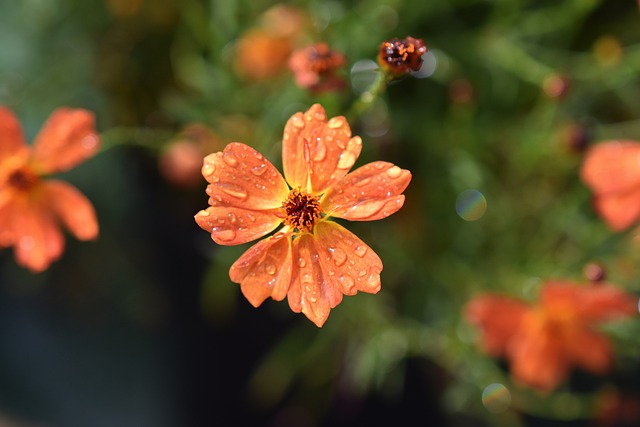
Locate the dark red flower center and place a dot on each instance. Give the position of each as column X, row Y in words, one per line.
column 22, row 179
column 302, row 210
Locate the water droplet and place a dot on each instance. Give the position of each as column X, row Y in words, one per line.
column 259, row 169
column 338, row 256
column 336, row 122
column 319, row 151
column 394, row 172
column 361, row 251
column 362, row 273
column 270, row 269
column 204, row 213
column 346, row 160
column 361, row 183
column 302, row 263
column 223, row 234
column 297, row 122
column 233, row 190
column 89, row 142
column 208, row 169
column 320, row 116
column 313, row 298
column 348, row 282
column 230, row 159
column 251, row 217
column 232, row 218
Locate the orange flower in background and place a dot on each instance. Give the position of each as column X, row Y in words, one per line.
column 311, row 260
column 314, row 68
column 543, row 342
column 400, row 57
column 612, row 171
column 31, row 207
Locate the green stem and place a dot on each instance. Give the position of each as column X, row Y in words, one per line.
column 367, row 98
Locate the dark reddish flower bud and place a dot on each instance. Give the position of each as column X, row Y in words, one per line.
column 594, row 272
column 556, row 86
column 314, row 67
column 400, row 57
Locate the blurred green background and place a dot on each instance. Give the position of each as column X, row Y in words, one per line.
column 144, row 328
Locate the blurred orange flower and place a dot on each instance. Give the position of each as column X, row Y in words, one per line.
column 262, row 51
column 315, row 66
column 311, row 260
column 31, row 207
column 612, row 171
column 544, row 342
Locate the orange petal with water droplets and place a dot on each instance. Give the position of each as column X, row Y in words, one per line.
column 498, row 319
column 66, row 139
column 11, row 138
column 373, row 191
column 37, row 238
column 241, row 177
column 349, row 265
column 72, row 208
column 612, row 167
column 264, row 270
column 233, row 226
column 316, row 149
column 592, row 302
column 310, row 291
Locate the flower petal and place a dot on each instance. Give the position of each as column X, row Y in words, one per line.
column 498, row 319
column 348, row 264
column 72, row 208
column 373, row 191
column 618, row 210
column 316, row 153
column 310, row 292
column 38, row 240
column 612, row 166
column 264, row 270
column 592, row 302
column 12, row 141
column 590, row 350
column 66, row 139
column 233, row 226
column 241, row 177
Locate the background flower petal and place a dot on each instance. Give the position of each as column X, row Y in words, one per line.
column 66, row 139
column 612, row 166
column 323, row 149
column 233, row 226
column 373, row 191
column 618, row 210
column 72, row 208
column 264, row 270
column 498, row 319
column 37, row 238
column 11, row 136
column 241, row 177
column 348, row 264
column 590, row 351
column 310, row 291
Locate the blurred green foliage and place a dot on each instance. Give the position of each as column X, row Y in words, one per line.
column 514, row 91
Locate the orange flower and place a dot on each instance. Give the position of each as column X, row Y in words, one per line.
column 311, row 260
column 542, row 343
column 612, row 171
column 314, row 68
column 31, row 207
column 400, row 57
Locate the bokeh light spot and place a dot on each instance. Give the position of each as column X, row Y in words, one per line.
column 471, row 205
column 496, row 398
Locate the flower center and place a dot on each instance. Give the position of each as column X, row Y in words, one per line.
column 22, row 179
column 302, row 210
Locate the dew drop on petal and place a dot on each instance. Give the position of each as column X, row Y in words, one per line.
column 208, row 169
column 361, row 183
column 362, row 273
column 297, row 122
column 232, row 218
column 89, row 142
column 259, row 169
column 335, row 122
column 320, row 151
column 347, row 281
column 394, row 172
column 233, row 190
column 346, row 160
column 338, row 256
column 361, row 251
column 223, row 234
column 313, row 298
column 270, row 269
column 301, row 262
column 230, row 159
column 320, row 116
